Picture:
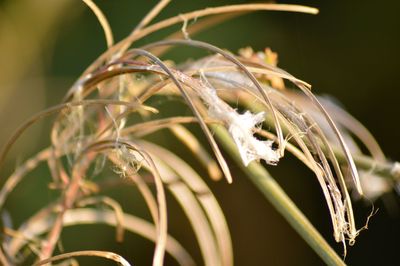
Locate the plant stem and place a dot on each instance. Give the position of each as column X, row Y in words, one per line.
column 387, row 169
column 280, row 200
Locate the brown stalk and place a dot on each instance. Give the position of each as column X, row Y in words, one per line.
column 207, row 132
column 191, row 15
column 242, row 67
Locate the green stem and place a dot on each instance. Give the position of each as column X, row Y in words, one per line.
column 282, row 203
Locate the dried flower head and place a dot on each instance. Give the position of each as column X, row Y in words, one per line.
column 108, row 112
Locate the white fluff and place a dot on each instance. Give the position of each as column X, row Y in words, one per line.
column 240, row 127
column 249, row 147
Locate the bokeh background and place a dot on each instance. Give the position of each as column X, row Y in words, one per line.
column 349, row 51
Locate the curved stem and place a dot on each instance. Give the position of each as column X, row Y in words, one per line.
column 282, row 203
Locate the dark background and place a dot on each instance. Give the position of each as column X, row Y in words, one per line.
column 348, row 51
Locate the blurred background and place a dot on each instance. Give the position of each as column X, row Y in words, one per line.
column 349, row 51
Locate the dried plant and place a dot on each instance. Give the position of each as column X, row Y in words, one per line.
column 105, row 118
